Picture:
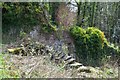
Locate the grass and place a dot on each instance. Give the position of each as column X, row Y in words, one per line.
column 46, row 68
column 5, row 72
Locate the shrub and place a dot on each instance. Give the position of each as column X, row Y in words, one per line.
column 89, row 44
column 18, row 14
column 112, row 50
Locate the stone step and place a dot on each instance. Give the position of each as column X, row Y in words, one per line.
column 76, row 65
column 68, row 57
column 59, row 54
column 70, row 61
column 63, row 56
column 84, row 69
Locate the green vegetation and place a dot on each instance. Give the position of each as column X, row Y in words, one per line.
column 91, row 45
column 111, row 49
column 48, row 14
column 20, row 13
column 4, row 71
column 46, row 29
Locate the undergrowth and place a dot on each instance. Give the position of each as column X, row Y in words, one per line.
column 5, row 72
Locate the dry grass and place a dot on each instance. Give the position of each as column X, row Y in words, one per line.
column 42, row 67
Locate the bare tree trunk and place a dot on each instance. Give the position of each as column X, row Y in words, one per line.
column 93, row 13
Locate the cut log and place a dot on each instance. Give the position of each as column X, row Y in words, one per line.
column 15, row 50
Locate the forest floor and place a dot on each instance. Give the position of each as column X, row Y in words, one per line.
column 42, row 67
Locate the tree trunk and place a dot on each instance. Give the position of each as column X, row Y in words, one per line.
column 78, row 14
column 93, row 12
